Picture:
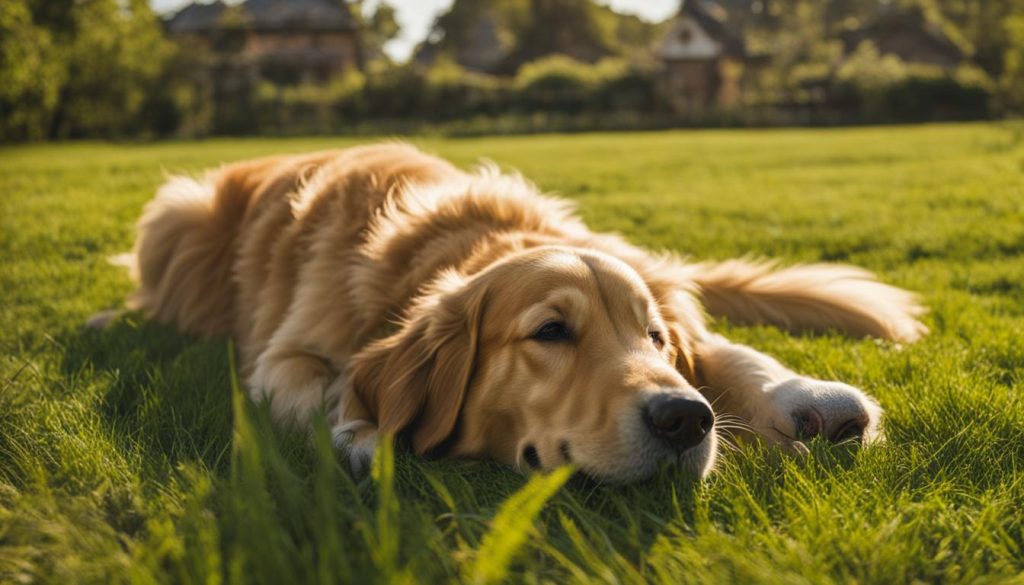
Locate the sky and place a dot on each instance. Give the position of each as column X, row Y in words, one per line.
column 416, row 16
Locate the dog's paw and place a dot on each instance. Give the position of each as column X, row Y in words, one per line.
column 801, row 409
column 358, row 439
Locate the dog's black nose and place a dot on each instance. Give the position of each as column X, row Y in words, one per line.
column 679, row 421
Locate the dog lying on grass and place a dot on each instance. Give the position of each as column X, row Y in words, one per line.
column 476, row 317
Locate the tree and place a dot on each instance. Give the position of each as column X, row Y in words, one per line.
column 72, row 68
column 840, row 14
column 499, row 36
column 376, row 29
column 803, row 54
column 983, row 24
column 114, row 59
column 1011, row 84
column 31, row 74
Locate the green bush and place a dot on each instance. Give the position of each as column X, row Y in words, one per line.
column 882, row 88
column 574, row 94
column 453, row 93
column 557, row 83
column 626, row 87
column 393, row 92
column 309, row 108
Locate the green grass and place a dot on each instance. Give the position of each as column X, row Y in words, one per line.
column 125, row 456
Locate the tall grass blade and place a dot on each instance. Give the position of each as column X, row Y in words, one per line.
column 513, row 524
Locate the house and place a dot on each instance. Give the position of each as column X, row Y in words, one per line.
column 703, row 60
column 907, row 33
column 284, row 41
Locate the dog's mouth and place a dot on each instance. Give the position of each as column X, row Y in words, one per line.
column 626, row 464
column 643, row 466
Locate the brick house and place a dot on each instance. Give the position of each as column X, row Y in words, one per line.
column 703, row 61
column 284, row 41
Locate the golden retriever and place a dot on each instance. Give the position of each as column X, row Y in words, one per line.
column 476, row 317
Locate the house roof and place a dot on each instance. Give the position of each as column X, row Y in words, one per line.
column 269, row 15
column 700, row 31
column 304, row 14
column 196, row 18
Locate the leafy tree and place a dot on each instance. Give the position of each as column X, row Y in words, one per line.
column 803, row 54
column 526, row 30
column 847, row 14
column 1011, row 84
column 72, row 68
column 376, row 29
column 31, row 74
column 984, row 24
column 114, row 57
column 568, row 27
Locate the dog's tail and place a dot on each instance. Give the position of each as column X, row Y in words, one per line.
column 184, row 253
column 813, row 297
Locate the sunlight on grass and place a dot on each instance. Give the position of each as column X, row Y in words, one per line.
column 132, row 455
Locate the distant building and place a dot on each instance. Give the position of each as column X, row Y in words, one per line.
column 285, row 41
column 907, row 33
column 703, row 60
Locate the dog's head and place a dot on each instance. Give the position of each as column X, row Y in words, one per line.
column 556, row 355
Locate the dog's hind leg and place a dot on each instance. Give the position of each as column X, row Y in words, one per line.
column 778, row 404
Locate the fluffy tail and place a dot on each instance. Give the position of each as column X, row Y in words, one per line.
column 184, row 252
column 810, row 297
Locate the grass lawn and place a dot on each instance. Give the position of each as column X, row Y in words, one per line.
column 126, row 456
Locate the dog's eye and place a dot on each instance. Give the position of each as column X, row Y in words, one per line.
column 656, row 338
column 553, row 331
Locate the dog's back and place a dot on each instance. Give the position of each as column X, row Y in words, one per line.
column 211, row 249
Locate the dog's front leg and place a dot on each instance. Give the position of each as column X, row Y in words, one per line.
column 352, row 429
column 298, row 383
column 777, row 403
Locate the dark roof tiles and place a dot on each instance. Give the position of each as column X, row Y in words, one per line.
column 265, row 15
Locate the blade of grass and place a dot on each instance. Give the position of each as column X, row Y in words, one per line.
column 512, row 525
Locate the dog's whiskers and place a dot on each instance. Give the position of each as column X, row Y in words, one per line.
column 734, row 422
column 727, row 439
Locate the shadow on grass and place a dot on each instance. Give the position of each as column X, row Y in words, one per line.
column 164, row 393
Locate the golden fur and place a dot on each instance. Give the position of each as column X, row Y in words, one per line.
column 404, row 296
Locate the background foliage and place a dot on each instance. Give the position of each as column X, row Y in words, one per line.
column 104, row 68
column 70, row 69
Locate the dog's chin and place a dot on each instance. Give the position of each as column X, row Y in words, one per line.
column 646, row 461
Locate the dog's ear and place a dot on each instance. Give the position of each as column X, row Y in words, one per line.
column 417, row 378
